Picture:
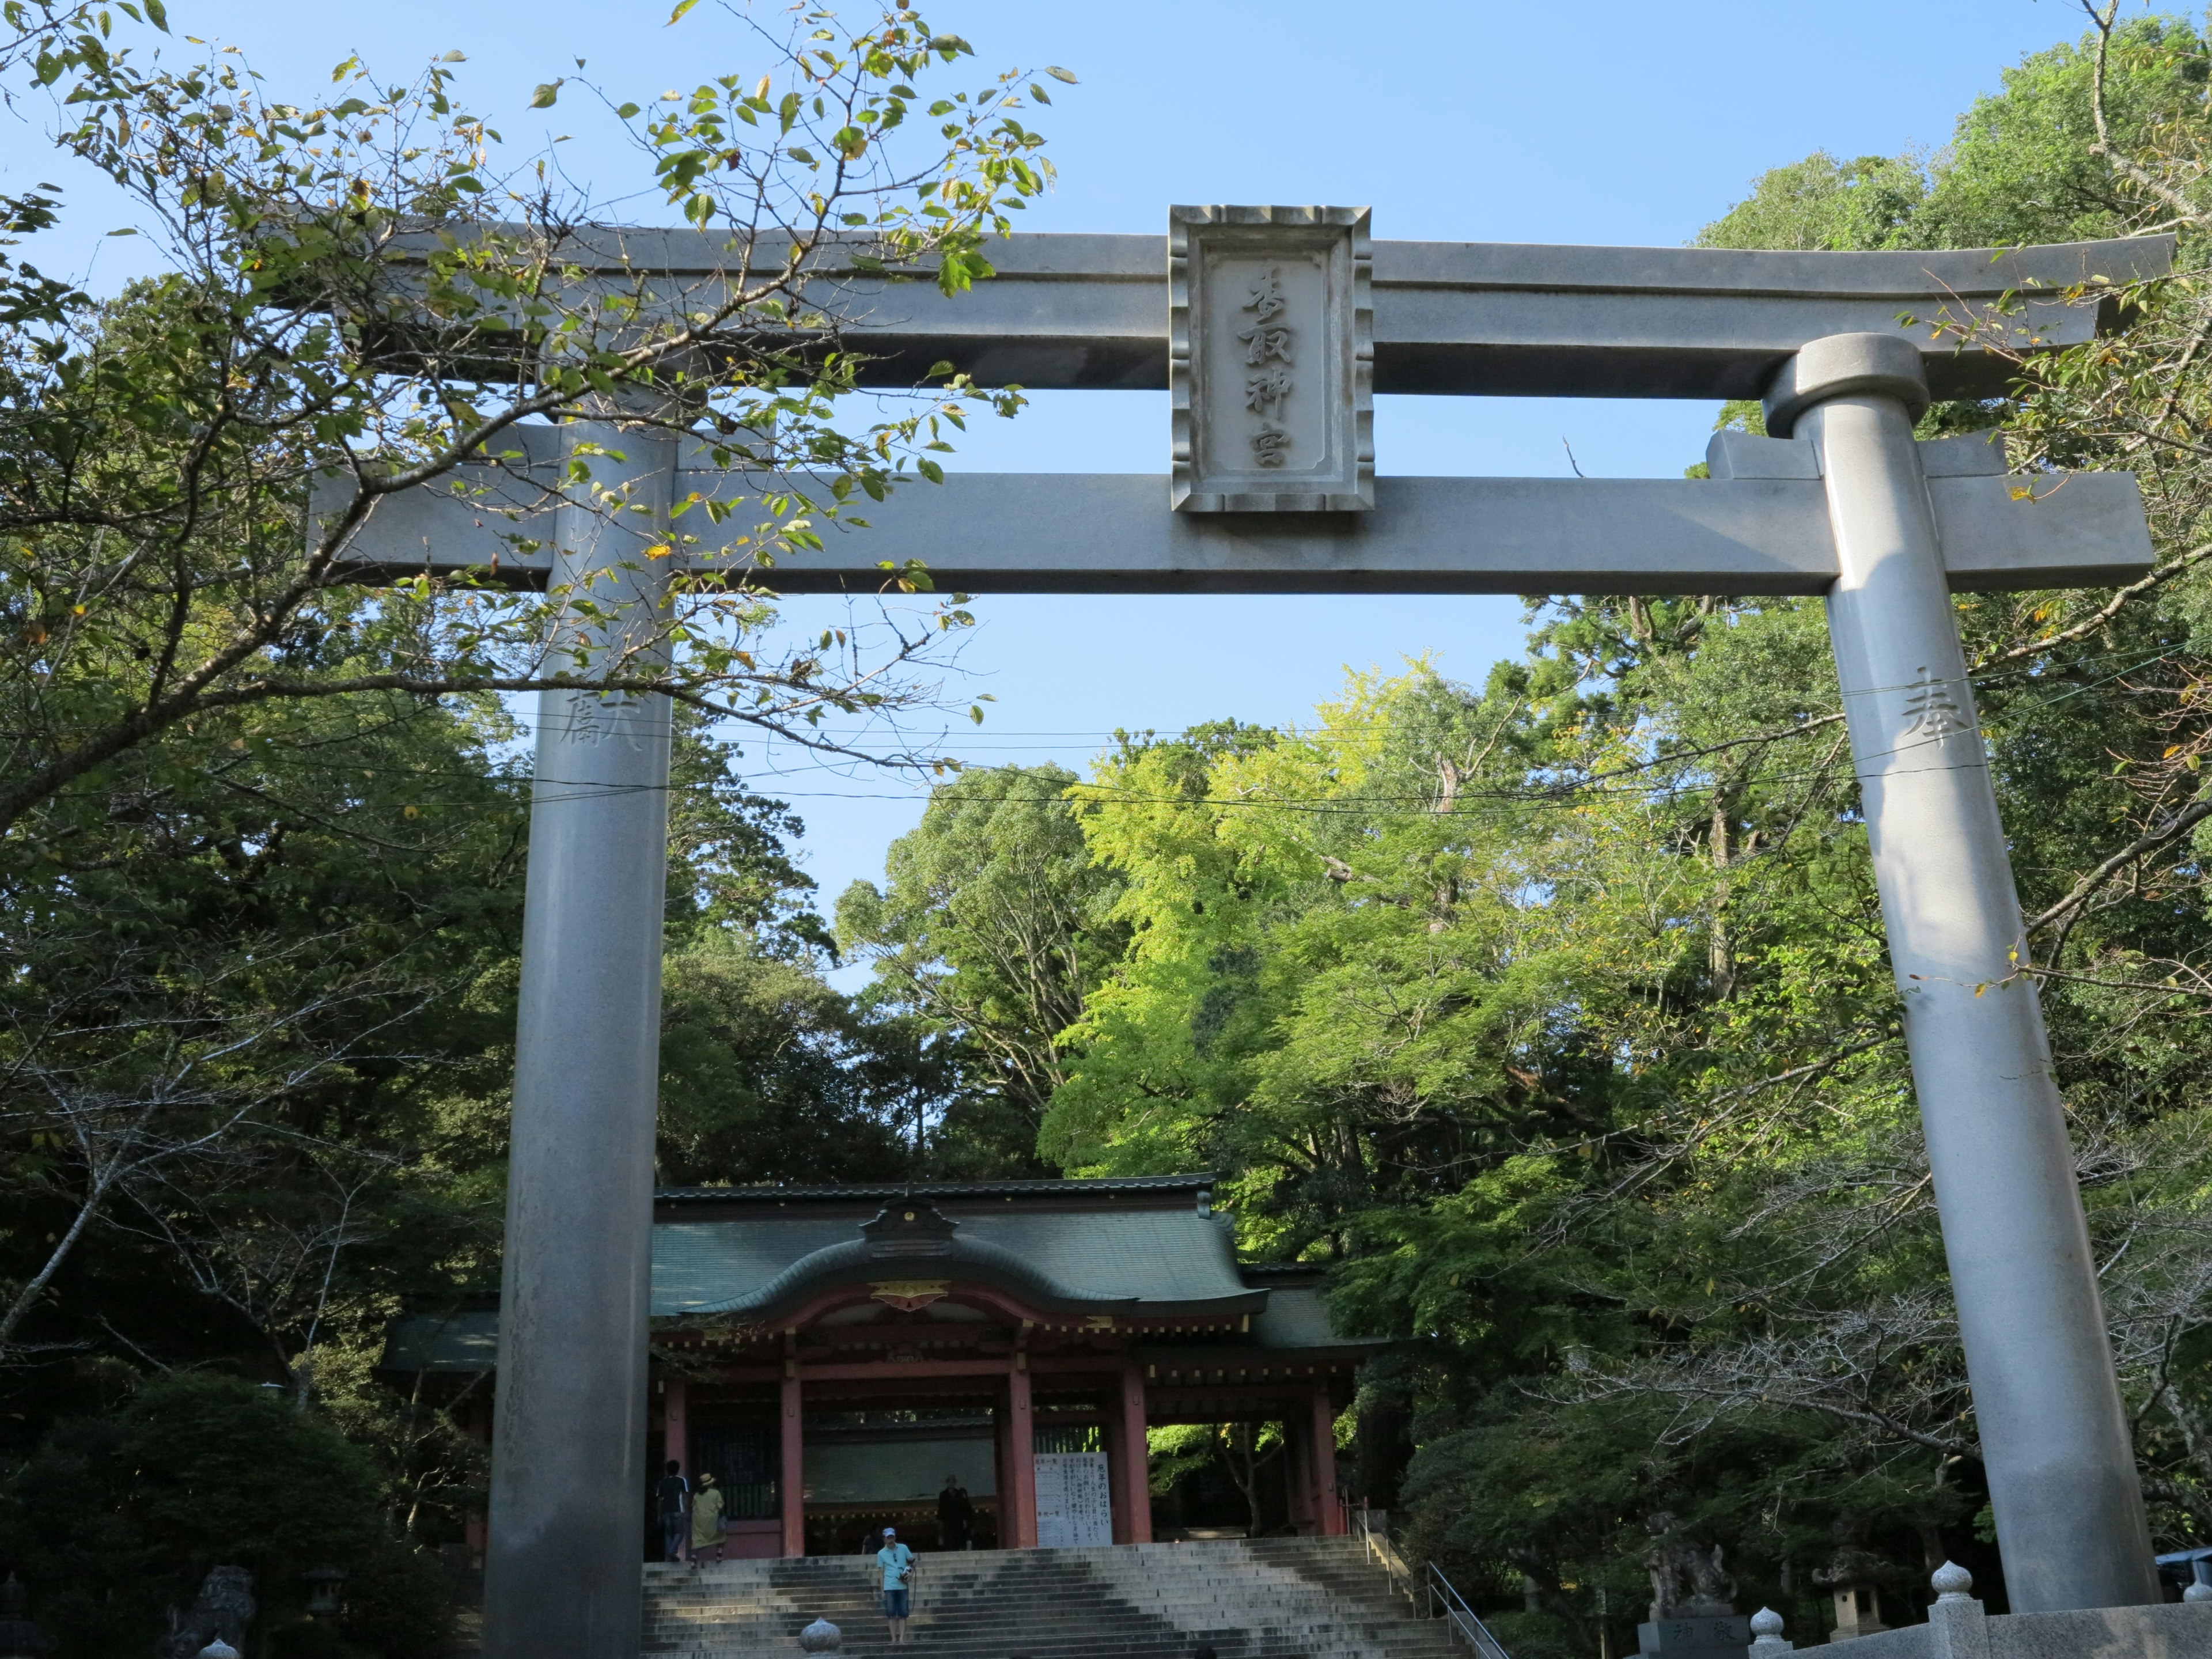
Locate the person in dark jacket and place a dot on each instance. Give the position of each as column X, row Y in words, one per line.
column 673, row 1496
column 956, row 1515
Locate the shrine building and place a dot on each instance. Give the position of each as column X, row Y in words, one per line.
column 831, row 1354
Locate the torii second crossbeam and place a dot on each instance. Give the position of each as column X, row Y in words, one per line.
column 1759, row 525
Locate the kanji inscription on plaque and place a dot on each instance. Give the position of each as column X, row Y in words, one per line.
column 1271, row 359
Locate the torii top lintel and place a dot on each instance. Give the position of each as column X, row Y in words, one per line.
column 1478, row 318
column 1273, row 326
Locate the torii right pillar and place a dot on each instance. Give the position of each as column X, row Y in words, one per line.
column 2063, row 1483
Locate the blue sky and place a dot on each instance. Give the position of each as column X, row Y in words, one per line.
column 1479, row 120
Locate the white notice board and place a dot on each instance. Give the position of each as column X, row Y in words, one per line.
column 1074, row 1504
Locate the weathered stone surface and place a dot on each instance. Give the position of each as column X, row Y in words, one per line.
column 2171, row 1631
column 1271, row 359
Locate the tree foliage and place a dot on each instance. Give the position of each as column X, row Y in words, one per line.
column 1555, row 1014
column 365, row 288
column 992, row 925
column 262, row 828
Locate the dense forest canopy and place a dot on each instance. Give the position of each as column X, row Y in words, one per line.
column 1553, row 1014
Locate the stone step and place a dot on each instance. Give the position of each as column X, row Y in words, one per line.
column 1038, row 1632
column 1291, row 1598
column 1033, row 1642
column 1240, row 1648
column 983, row 1612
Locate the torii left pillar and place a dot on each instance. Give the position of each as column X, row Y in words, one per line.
column 564, row 1577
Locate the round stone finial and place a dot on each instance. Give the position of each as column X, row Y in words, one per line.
column 2201, row 1589
column 1952, row 1583
column 218, row 1649
column 1766, row 1622
column 1837, row 365
column 821, row 1636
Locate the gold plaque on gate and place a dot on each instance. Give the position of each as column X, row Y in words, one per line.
column 908, row 1294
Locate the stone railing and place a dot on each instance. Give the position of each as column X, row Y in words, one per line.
column 1960, row 1627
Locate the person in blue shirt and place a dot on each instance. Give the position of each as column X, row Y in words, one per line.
column 897, row 1562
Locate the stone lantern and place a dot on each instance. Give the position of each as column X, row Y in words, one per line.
column 325, row 1592
column 1854, row 1578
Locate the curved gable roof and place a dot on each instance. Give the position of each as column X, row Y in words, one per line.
column 1125, row 1263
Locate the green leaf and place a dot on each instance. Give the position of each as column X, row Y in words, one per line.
column 1060, row 73
column 543, row 97
column 682, row 7
column 627, row 111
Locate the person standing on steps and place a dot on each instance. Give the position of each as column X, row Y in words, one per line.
column 672, row 1495
column 897, row 1562
column 706, row 1519
column 956, row 1515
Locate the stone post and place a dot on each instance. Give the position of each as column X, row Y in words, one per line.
column 1958, row 1625
column 2069, row 1508
column 562, row 1572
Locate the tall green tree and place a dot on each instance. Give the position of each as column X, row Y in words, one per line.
column 992, row 925
column 1579, row 1056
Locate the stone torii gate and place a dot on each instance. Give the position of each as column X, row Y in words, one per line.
column 1273, row 327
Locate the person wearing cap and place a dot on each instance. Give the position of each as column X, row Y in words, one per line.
column 897, row 1562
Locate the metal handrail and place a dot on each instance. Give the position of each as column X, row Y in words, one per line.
column 1383, row 1549
column 1435, row 1587
column 1471, row 1630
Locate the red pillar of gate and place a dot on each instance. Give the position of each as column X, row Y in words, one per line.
column 1134, row 1497
column 1328, row 1514
column 1018, row 1499
column 1297, row 1472
column 675, row 1440
column 793, row 1487
column 1117, row 1459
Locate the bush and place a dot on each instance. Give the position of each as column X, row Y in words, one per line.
column 114, row 1519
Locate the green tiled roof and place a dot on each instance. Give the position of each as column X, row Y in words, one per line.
column 1149, row 1258
column 464, row 1341
column 1296, row 1317
column 1125, row 1248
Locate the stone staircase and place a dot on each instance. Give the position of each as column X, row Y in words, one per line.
column 1276, row 1598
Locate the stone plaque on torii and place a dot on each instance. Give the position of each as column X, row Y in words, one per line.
column 1271, row 328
